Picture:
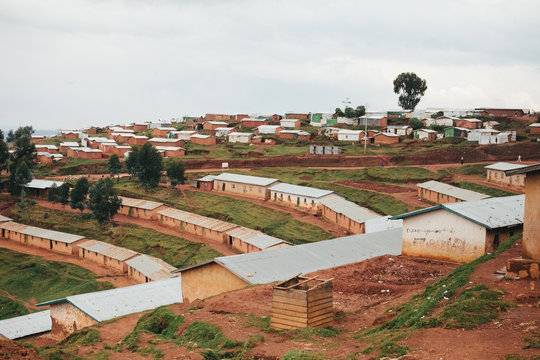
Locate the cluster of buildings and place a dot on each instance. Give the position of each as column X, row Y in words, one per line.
column 458, row 230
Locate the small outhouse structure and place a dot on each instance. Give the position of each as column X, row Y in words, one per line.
column 299, row 135
column 441, row 193
column 106, row 254
column 302, row 302
column 145, row 268
column 495, row 173
column 139, row 208
column 73, row 313
column 195, row 224
column 385, row 138
column 39, row 188
column 425, row 134
column 346, row 214
column 463, row 231
column 206, row 183
column 248, row 240
column 290, row 123
column 349, row 135
column 303, row 198
column 245, row 185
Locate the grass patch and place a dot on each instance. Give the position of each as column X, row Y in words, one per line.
column 86, row 336
column 303, row 355
column 253, row 216
column 162, row 322
column 390, row 349
column 203, row 335
column 380, row 203
column 31, row 277
column 240, row 212
column 533, row 341
column 476, row 169
column 260, row 322
column 482, row 189
column 10, row 308
column 174, row 250
column 473, row 307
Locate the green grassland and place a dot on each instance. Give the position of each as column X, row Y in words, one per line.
column 174, row 250
column 240, row 212
column 482, row 189
column 10, row 308
column 34, row 279
column 71, row 166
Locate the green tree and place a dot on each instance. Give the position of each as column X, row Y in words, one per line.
column 114, row 166
column 21, row 177
column 176, row 172
column 349, row 112
column 360, row 111
column 10, row 136
column 63, row 194
column 132, row 162
column 149, row 166
column 416, row 123
column 338, row 113
column 103, row 201
column 410, row 89
column 24, row 153
column 78, row 194
column 4, row 153
column 52, row 194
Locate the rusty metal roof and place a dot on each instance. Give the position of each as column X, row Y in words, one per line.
column 151, row 267
column 26, row 325
column 139, row 203
column 110, row 304
column 199, row 220
column 109, row 250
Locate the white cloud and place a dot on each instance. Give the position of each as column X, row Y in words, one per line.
column 74, row 62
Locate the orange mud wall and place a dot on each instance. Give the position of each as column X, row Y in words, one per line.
column 209, row 280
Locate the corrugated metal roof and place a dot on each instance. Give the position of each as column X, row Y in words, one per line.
column 200, row 136
column 110, row 304
column 238, row 134
column 217, row 123
column 491, row 213
column 386, row 134
column 348, row 208
column 199, row 220
column 207, row 178
column 162, row 140
column 503, row 166
column 458, row 193
column 139, row 203
column 300, row 190
column 382, row 223
column 524, row 170
column 51, row 234
column 109, row 250
column 41, row 233
column 43, row 184
column 254, row 237
column 299, row 132
column 51, row 147
column 151, row 267
column 281, row 264
column 4, row 218
column 13, row 226
column 69, row 144
column 26, row 325
column 246, row 179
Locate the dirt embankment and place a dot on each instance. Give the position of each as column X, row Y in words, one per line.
column 510, row 152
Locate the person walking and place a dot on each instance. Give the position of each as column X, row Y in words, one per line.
column 462, row 160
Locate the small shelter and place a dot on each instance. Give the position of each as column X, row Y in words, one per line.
column 441, row 193
column 495, row 173
column 139, row 208
column 245, row 185
column 304, row 198
column 249, row 240
column 106, row 254
column 302, row 302
column 39, row 188
column 146, row 268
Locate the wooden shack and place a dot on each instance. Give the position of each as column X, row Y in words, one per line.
column 302, row 302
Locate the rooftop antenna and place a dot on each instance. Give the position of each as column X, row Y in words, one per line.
column 347, row 102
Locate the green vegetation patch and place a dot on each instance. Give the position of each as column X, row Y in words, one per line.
column 473, row 307
column 380, row 203
column 30, row 277
column 253, row 216
column 482, row 189
column 174, row 250
column 10, row 308
column 86, row 336
column 203, row 335
column 303, row 355
column 476, row 169
column 162, row 322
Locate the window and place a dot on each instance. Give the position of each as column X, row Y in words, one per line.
column 313, row 201
column 305, row 200
column 233, row 186
column 289, row 198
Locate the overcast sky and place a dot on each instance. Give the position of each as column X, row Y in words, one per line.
column 73, row 63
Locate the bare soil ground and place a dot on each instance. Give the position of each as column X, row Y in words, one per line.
column 360, row 302
column 11, row 350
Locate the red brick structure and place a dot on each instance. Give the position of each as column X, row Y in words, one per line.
column 217, row 117
column 206, row 140
column 385, row 138
column 502, row 112
column 166, row 142
column 297, row 116
column 162, row 132
column 137, row 140
column 469, row 123
column 253, row 123
column 140, row 127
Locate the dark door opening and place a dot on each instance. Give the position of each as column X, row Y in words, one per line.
column 496, row 242
column 230, row 240
column 50, row 244
column 223, row 187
